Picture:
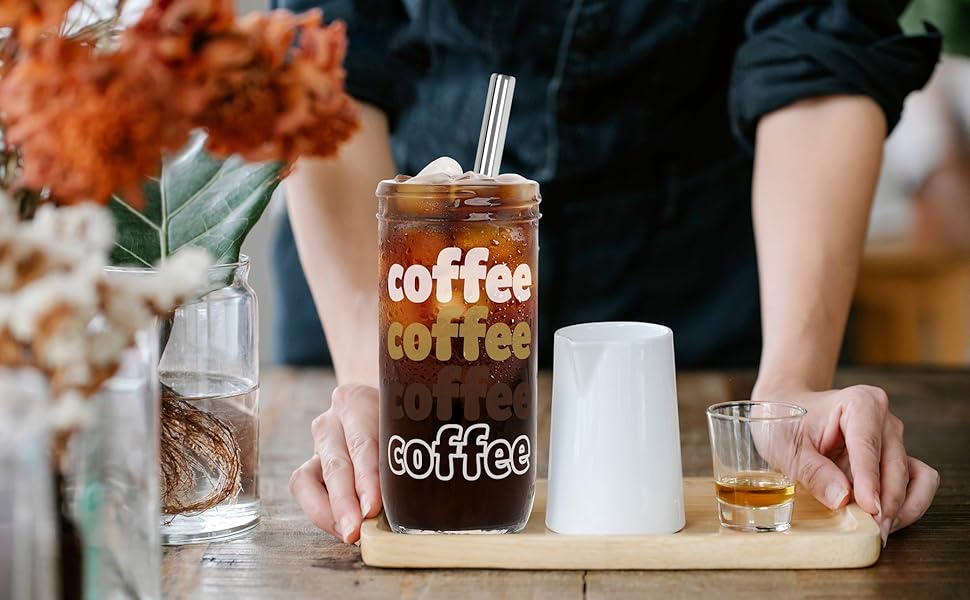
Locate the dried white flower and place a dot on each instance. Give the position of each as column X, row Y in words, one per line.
column 125, row 309
column 7, row 306
column 182, row 274
column 75, row 373
column 8, row 276
column 70, row 411
column 36, row 300
column 71, row 319
column 65, row 346
column 104, row 347
column 83, row 230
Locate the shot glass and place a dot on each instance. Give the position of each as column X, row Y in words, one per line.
column 755, row 446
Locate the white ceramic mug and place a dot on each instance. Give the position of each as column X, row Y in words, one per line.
column 614, row 456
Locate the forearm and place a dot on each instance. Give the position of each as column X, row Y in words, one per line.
column 815, row 172
column 332, row 210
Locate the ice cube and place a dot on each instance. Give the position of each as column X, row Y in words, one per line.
column 511, row 178
column 440, row 170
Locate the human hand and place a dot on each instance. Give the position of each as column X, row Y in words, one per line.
column 852, row 443
column 339, row 486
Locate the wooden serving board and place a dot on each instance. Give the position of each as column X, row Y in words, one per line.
column 818, row 539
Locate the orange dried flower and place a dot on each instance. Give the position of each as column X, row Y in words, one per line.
column 171, row 30
column 297, row 105
column 247, row 86
column 29, row 18
column 88, row 125
column 317, row 114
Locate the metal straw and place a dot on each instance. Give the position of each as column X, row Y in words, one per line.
column 495, row 123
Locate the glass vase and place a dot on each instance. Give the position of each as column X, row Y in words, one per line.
column 209, row 373
column 28, row 525
column 111, row 483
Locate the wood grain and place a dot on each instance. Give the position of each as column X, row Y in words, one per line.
column 819, row 539
column 285, row 557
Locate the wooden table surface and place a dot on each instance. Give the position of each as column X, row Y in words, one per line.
column 285, row 557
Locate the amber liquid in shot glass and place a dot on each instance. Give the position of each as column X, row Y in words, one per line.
column 755, row 489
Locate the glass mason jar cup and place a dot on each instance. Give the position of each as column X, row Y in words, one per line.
column 209, row 373
column 458, row 316
column 28, row 518
column 82, row 521
column 112, row 478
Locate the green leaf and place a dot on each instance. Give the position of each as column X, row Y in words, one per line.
column 198, row 201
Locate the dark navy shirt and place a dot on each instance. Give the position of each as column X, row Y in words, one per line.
column 637, row 118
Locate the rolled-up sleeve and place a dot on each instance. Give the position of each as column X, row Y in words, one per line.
column 796, row 49
column 373, row 75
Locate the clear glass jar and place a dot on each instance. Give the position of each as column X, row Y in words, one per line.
column 209, row 373
column 28, row 525
column 89, row 526
column 112, row 483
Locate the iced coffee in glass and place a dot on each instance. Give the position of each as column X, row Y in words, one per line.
column 458, row 299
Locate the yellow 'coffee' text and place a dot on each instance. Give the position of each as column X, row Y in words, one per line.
column 415, row 341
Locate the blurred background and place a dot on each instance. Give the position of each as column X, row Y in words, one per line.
column 912, row 304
